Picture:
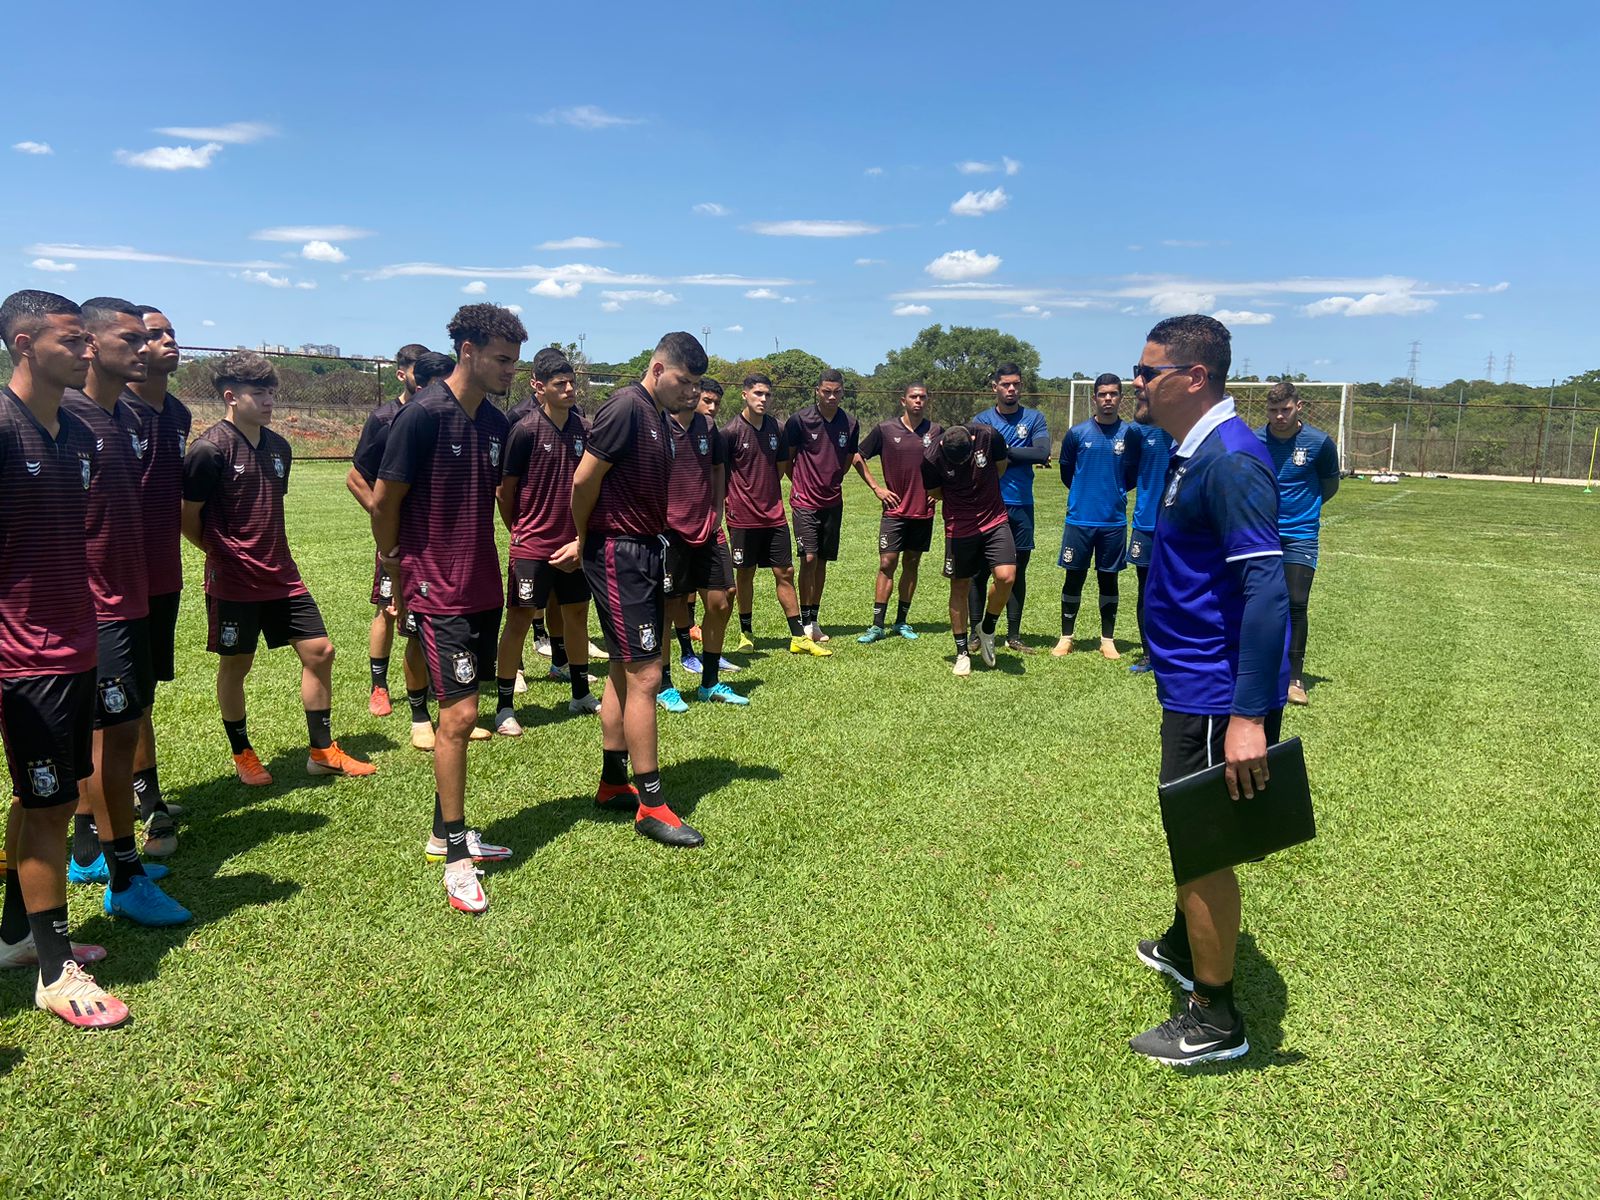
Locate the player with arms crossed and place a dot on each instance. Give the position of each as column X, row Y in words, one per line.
column 822, row 440
column 1155, row 453
column 906, row 526
column 1027, row 438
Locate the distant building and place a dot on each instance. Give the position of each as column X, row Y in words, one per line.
column 272, row 348
column 325, row 349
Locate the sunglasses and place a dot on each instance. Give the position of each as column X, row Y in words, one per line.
column 1147, row 373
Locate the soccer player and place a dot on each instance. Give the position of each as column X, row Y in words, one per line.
column 697, row 558
column 1155, row 453
column 169, row 424
column 619, row 506
column 1027, row 438
column 119, row 583
column 1217, row 613
column 234, row 480
column 758, row 459
column 963, row 470
column 822, row 441
column 433, row 522
column 906, row 526
column 1307, row 465
column 47, row 647
column 1099, row 463
column 535, row 501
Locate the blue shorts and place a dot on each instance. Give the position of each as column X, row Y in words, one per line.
column 1021, row 518
column 1141, row 547
column 1300, row 552
column 1108, row 547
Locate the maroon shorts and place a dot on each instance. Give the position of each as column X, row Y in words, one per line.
column 626, row 576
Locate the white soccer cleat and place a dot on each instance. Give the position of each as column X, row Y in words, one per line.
column 963, row 666
column 542, row 646
column 463, row 886
column 584, row 704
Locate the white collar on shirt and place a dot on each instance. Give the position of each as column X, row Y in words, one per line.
column 1203, row 428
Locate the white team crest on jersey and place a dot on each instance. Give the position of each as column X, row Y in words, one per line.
column 883, row 539
column 386, row 587
column 1171, row 497
column 464, row 666
column 647, row 638
column 1136, row 550
column 33, row 468
column 738, row 557
column 666, row 582
column 772, row 441
column 1116, row 446
column 981, row 459
column 42, row 778
column 844, row 440
column 703, row 445
column 278, row 468
column 183, row 445
column 577, row 447
column 949, row 567
column 927, row 439
column 422, row 589
column 112, row 698
column 494, row 452
column 228, row 635
column 1301, row 456
column 1066, row 555
column 524, row 589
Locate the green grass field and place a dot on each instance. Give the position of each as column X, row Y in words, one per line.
column 903, row 965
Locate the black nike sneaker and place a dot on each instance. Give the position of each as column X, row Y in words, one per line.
column 1159, row 956
column 1186, row 1041
column 661, row 824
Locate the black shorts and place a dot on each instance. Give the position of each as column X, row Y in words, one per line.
column 690, row 567
column 48, row 723
column 966, row 557
column 1106, row 545
column 816, row 531
column 1192, row 742
column 1141, row 546
column 459, row 650
column 162, row 626
column 907, row 534
column 124, row 682
column 233, row 626
column 625, row 575
column 768, row 547
column 382, row 585
column 530, row 581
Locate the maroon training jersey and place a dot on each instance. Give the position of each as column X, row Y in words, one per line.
column 971, row 492
column 119, row 578
column 755, row 487
column 691, row 496
column 542, row 459
column 452, row 463
column 631, row 434
column 161, row 489
column 47, row 621
column 902, row 451
column 822, row 452
column 241, row 524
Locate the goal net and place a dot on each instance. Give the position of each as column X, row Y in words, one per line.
column 1371, row 451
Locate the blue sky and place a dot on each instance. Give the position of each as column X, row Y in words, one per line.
column 1334, row 183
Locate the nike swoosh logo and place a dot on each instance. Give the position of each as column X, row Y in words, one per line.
column 1198, row 1047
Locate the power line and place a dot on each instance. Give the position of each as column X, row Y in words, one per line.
column 1511, row 365
column 1488, row 368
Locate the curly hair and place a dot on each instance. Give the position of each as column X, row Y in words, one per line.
column 481, row 324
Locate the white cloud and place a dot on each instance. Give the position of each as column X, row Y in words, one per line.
column 1177, row 302
column 306, row 285
column 582, row 272
column 171, row 158
column 476, row 288
column 555, row 289
column 1011, row 165
column 238, row 133
column 767, row 294
column 1187, row 243
column 869, row 262
column 734, row 329
column 971, row 167
column 658, row 297
column 32, row 147
column 1136, row 248
column 586, row 116
column 265, row 278
column 311, row 233
column 611, row 306
column 963, row 264
column 1241, row 316
column 321, row 251
column 710, row 209
column 978, row 204
column 1033, row 310
column 1473, row 317
column 71, row 250
column 1002, row 293
column 814, row 229
column 50, row 264
column 209, row 324
column 578, row 243
column 1321, row 362
column 513, row 308
column 1373, row 304
column 874, row 171
column 912, row 310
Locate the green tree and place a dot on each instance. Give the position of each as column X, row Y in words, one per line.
column 956, row 364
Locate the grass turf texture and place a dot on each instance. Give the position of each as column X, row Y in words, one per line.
column 904, row 963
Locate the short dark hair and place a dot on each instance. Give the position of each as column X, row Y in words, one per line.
column 1197, row 338
column 481, row 324
column 711, row 385
column 26, row 312
column 430, row 365
column 408, row 354
column 550, row 362
column 956, row 444
column 1004, row 369
column 243, row 367
column 915, row 383
column 683, row 350
column 144, row 310
column 1107, row 379
column 754, row 378
column 104, row 310
column 831, row 375
column 1281, row 391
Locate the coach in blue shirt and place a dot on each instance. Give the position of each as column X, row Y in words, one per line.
column 1307, row 465
column 1216, row 618
column 1027, row 440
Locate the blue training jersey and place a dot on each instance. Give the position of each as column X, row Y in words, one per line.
column 1098, row 465
column 1155, row 454
column 1301, row 463
column 1219, row 508
column 1024, row 430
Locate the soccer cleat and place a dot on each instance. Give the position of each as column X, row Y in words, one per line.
column 160, row 835
column 904, row 630
column 144, row 903
column 691, row 664
column 730, row 668
column 617, row 797
column 463, row 887
column 79, row 1001
column 542, row 646
column 584, row 704
column 1297, row 693
column 1108, row 650
column 744, row 643
column 1063, row 647
column 723, row 694
column 804, row 645
column 661, row 824
column 874, row 633
column 422, row 735
column 480, row 850
column 97, row 872
column 506, row 724
column 378, row 703
column 1186, row 1041
column 963, row 666
column 1143, row 667
column 597, row 653
column 561, row 674
column 986, row 648
column 669, row 699
column 1018, row 646
column 521, row 684
column 251, row 772
column 1158, row 957
column 479, row 734
column 26, row 954
column 334, row 761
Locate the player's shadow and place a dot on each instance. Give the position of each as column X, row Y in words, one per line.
column 11, row 1056
column 1311, row 681
column 1263, row 996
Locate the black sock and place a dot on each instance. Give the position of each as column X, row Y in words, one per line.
column 880, row 614
column 746, row 623
column 51, row 940
column 1069, row 612
column 709, row 666
column 538, row 628
column 85, row 839
column 1108, row 603
column 319, row 727
column 902, row 612
column 1177, row 935
column 685, row 646
column 380, row 673
column 14, row 916
column 122, row 861
column 614, row 767
column 989, row 620
column 961, row 643
column 505, row 691
column 649, row 785
column 419, row 705
column 796, row 627
column 238, row 739
column 666, row 679
column 558, row 653
column 580, row 680
column 1019, row 596
column 808, row 615
column 147, row 793
column 1213, row 1004
column 455, row 841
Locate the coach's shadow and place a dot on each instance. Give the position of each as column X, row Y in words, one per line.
column 1264, row 997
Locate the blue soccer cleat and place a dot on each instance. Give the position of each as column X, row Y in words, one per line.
column 1143, row 667
column 145, row 904
column 905, row 631
column 723, row 694
column 874, row 633
column 96, row 871
column 691, row 664
column 669, row 699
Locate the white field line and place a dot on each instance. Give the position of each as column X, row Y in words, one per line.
column 1366, row 508
column 1521, row 569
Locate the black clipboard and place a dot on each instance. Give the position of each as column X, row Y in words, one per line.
column 1208, row 830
